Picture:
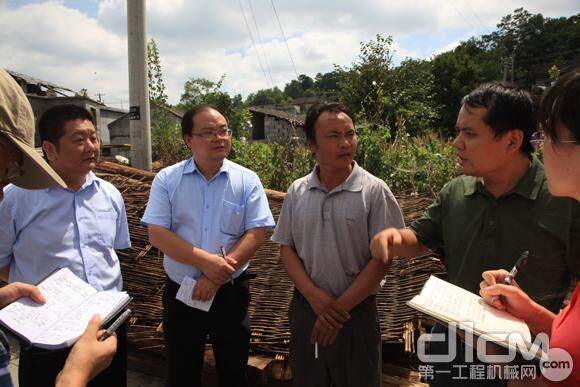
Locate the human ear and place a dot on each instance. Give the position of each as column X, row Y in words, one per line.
column 50, row 151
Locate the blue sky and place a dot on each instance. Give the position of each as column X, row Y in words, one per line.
column 82, row 44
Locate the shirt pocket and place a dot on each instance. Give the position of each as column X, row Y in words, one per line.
column 232, row 222
column 107, row 226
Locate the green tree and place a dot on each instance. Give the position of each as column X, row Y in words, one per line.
column 157, row 91
column 199, row 91
column 273, row 96
column 456, row 73
column 412, row 97
column 326, row 85
column 364, row 86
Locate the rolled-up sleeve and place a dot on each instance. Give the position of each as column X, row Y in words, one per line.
column 283, row 231
column 158, row 211
column 258, row 212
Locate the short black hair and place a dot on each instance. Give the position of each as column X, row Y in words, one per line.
column 52, row 121
column 315, row 111
column 561, row 105
column 508, row 108
column 187, row 120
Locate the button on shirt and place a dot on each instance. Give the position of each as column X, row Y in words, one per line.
column 479, row 232
column 331, row 231
column 43, row 230
column 206, row 213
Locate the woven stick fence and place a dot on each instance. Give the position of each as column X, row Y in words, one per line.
column 271, row 290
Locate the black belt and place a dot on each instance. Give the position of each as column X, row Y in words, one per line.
column 242, row 278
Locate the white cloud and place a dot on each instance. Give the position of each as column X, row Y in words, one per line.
column 206, row 39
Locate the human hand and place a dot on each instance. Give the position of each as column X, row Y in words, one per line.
column 218, row 269
column 510, row 298
column 16, row 290
column 204, row 289
column 88, row 357
column 384, row 244
column 328, row 309
column 322, row 334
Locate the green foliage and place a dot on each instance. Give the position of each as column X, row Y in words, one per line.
column 197, row 91
column 387, row 96
column 167, row 145
column 278, row 165
column 166, row 141
column 421, row 164
column 157, row 90
column 456, row 73
column 365, row 85
column 273, row 96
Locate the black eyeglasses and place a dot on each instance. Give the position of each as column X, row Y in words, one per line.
column 539, row 138
column 211, row 133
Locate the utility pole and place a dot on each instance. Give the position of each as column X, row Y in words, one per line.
column 139, row 119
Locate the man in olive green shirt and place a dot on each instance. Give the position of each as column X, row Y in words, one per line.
column 498, row 209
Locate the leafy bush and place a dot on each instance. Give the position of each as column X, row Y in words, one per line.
column 420, row 164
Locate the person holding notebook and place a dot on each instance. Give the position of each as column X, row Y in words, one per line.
column 499, row 208
column 559, row 120
column 21, row 165
column 77, row 227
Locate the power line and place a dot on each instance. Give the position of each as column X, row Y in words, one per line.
column 462, row 16
column 476, row 16
column 261, row 41
column 254, row 44
column 285, row 40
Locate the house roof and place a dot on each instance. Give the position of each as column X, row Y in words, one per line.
column 77, row 98
column 59, row 90
column 291, row 118
column 35, row 81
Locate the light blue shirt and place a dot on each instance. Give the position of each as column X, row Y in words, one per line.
column 43, row 230
column 207, row 214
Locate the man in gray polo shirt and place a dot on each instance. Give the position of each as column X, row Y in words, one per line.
column 327, row 221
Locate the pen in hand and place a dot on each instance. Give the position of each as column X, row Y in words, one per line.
column 115, row 325
column 520, row 263
column 223, row 250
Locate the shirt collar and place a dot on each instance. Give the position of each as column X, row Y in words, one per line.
column 89, row 181
column 528, row 187
column 353, row 182
column 191, row 167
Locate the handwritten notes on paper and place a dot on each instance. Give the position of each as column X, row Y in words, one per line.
column 451, row 303
column 70, row 304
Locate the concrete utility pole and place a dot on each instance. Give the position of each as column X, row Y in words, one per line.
column 140, row 121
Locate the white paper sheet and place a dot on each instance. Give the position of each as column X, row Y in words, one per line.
column 63, row 292
column 69, row 329
column 452, row 303
column 70, row 304
column 185, row 292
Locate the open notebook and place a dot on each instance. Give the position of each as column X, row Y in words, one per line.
column 70, row 304
column 449, row 303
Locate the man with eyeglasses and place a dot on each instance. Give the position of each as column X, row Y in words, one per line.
column 498, row 209
column 197, row 209
column 22, row 166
